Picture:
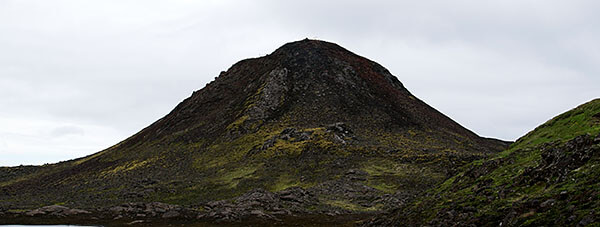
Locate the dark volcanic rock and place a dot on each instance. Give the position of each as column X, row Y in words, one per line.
column 56, row 210
column 559, row 160
column 357, row 175
column 265, row 205
column 296, row 195
column 301, row 116
column 171, row 214
column 258, row 204
column 147, row 210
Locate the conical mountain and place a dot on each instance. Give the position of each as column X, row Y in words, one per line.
column 311, row 115
column 303, row 84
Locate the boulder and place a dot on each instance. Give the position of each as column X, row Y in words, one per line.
column 36, row 212
column 341, row 132
column 295, row 195
column 56, row 210
column 171, row 214
column 261, row 214
column 53, row 208
column 587, row 220
column 70, row 212
column 356, row 175
column 548, row 203
column 154, row 209
column 339, row 127
column 136, row 222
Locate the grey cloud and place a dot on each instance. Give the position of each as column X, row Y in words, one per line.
column 67, row 130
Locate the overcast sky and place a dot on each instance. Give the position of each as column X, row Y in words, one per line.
column 79, row 76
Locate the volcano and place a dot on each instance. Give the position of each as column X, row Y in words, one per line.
column 311, row 119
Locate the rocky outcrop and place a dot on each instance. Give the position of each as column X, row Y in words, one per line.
column 262, row 204
column 271, row 96
column 559, row 160
column 295, row 201
column 341, row 133
column 288, row 134
column 147, row 210
column 56, row 210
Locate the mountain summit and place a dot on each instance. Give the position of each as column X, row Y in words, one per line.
column 310, row 118
column 307, row 84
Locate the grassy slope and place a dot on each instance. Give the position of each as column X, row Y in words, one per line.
column 563, row 127
column 192, row 173
column 189, row 174
column 502, row 190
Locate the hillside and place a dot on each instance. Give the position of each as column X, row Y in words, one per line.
column 311, row 117
column 549, row 177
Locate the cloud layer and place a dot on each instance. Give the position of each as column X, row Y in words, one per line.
column 79, row 76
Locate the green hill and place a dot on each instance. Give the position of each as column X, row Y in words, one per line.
column 549, row 177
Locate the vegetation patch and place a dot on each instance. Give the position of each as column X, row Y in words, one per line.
column 283, row 182
column 231, row 178
column 389, row 176
column 346, row 205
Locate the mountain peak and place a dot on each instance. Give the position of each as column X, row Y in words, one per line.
column 307, row 45
column 305, row 84
column 305, row 116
